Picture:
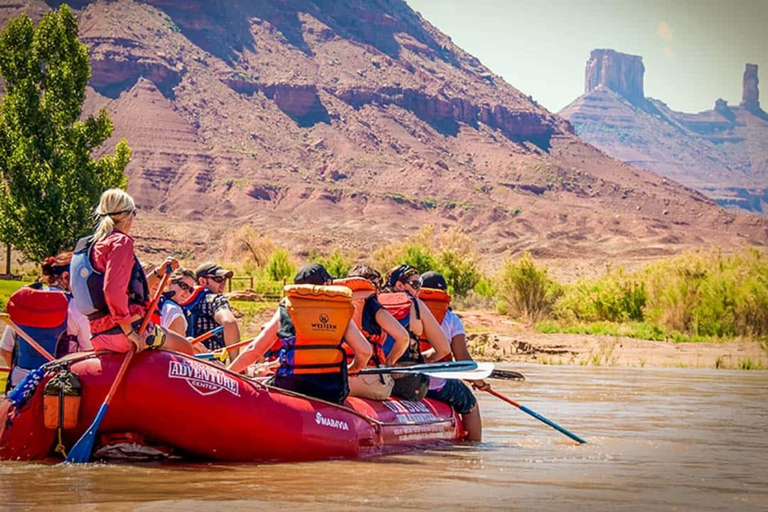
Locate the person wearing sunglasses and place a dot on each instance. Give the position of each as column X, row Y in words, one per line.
column 172, row 316
column 207, row 308
column 400, row 298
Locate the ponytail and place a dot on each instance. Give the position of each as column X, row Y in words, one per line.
column 114, row 203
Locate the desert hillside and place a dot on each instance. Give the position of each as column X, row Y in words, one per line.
column 722, row 152
column 353, row 123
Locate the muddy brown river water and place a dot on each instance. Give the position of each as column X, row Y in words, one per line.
column 659, row 439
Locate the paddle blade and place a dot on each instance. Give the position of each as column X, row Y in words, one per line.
column 483, row 371
column 81, row 452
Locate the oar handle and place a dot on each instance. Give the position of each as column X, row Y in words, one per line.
column 207, row 335
column 7, row 319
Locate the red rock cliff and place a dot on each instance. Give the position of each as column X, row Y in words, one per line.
column 619, row 72
column 750, row 98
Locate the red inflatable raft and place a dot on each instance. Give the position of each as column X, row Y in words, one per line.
column 205, row 412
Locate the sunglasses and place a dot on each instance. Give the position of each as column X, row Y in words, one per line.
column 415, row 283
column 218, row 279
column 184, row 286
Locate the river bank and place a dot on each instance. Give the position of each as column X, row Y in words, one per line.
column 492, row 337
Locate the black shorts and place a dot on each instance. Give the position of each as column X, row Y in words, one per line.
column 456, row 394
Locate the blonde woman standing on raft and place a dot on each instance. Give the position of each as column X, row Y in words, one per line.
column 109, row 285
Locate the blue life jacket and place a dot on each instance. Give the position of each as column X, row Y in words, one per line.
column 41, row 313
column 192, row 309
column 87, row 283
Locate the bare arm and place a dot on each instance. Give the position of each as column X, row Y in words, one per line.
column 391, row 326
column 459, row 348
column 6, row 356
column 226, row 319
column 362, row 349
column 179, row 326
column 255, row 350
column 441, row 347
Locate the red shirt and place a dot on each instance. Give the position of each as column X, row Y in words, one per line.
column 114, row 257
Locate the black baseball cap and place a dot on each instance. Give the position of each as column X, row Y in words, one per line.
column 314, row 273
column 211, row 269
column 434, row 280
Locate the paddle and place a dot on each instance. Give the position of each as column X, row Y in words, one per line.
column 506, row 375
column 483, row 371
column 219, row 351
column 449, row 366
column 536, row 415
column 35, row 345
column 208, row 335
column 82, row 450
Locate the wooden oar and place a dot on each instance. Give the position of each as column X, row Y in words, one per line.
column 450, row 366
column 208, row 335
column 82, row 450
column 35, row 345
column 536, row 415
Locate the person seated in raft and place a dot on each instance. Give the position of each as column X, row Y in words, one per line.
column 434, row 293
column 376, row 323
column 170, row 315
column 45, row 311
column 313, row 322
column 207, row 308
column 400, row 299
column 109, row 286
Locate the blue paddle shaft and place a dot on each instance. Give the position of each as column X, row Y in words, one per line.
column 552, row 424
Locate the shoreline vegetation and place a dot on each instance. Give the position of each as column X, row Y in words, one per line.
column 701, row 309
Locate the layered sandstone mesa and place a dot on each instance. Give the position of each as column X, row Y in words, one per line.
column 750, row 97
column 620, row 72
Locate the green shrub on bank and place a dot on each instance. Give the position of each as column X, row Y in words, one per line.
column 526, row 290
column 280, row 266
column 336, row 263
column 615, row 297
column 706, row 294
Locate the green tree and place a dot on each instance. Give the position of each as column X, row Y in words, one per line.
column 49, row 182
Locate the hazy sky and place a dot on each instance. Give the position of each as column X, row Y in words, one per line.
column 694, row 51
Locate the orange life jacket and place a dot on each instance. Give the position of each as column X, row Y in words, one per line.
column 437, row 301
column 399, row 306
column 362, row 290
column 313, row 320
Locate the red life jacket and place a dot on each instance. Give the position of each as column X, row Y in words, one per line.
column 313, row 320
column 437, row 301
column 399, row 306
column 42, row 314
column 362, row 290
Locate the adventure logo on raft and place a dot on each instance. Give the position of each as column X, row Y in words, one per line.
column 202, row 378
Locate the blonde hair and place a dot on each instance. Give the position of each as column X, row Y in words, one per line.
column 113, row 204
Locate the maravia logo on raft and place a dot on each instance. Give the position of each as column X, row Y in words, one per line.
column 202, row 378
column 330, row 422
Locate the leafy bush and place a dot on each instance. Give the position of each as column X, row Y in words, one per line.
column 336, row 263
column 280, row 266
column 615, row 297
column 527, row 290
column 707, row 294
